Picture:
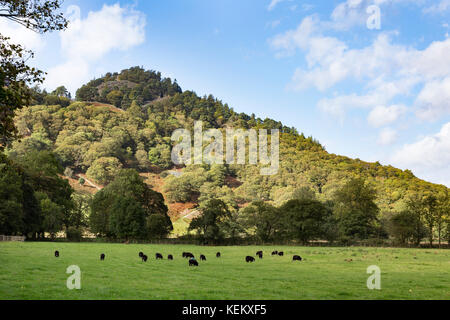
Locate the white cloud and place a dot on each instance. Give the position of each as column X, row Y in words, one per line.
column 387, row 136
column 90, row 39
column 434, row 100
column 385, row 70
column 379, row 77
column 338, row 105
column 441, row 7
column 348, row 14
column 381, row 115
column 331, row 61
column 351, row 13
column 429, row 157
column 288, row 42
column 273, row 4
column 30, row 40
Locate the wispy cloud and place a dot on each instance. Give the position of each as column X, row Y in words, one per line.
column 386, row 78
column 273, row 4
column 87, row 40
column 441, row 7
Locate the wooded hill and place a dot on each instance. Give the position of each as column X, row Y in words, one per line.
column 125, row 120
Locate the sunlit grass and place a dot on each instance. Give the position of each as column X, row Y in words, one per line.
column 30, row 271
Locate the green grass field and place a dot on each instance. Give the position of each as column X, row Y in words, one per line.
column 30, row 271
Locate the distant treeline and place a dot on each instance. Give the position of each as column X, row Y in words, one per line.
column 35, row 200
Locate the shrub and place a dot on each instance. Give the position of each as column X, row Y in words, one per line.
column 68, row 172
column 74, row 234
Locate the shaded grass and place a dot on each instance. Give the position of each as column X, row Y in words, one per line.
column 29, row 270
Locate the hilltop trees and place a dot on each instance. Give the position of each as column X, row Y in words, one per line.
column 133, row 84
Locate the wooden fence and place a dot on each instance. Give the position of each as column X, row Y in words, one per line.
column 12, row 238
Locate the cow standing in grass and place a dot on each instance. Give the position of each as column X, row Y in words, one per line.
column 169, row 257
column 56, row 253
column 274, row 253
column 202, row 257
column 260, row 254
column 102, row 257
column 158, row 256
column 218, row 255
column 281, row 253
column 296, row 258
column 144, row 258
column 249, row 259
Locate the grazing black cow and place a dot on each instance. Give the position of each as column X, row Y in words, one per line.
column 296, row 258
column 184, row 254
column 102, row 256
column 57, row 253
column 218, row 255
column 274, row 253
column 144, row 258
column 202, row 257
column 249, row 259
column 193, row 262
column 158, row 256
column 259, row 254
column 189, row 255
column 170, row 257
column 141, row 254
column 281, row 253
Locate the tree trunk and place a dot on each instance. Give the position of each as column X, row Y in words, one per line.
column 439, row 236
column 431, row 237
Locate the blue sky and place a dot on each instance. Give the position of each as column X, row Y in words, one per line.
column 374, row 94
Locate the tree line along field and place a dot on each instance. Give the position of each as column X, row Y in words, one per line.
column 29, row 270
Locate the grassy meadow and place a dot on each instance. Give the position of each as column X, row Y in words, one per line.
column 29, row 270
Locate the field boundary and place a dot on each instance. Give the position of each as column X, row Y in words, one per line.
column 245, row 242
column 12, row 238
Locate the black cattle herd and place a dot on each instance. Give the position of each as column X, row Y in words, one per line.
column 194, row 262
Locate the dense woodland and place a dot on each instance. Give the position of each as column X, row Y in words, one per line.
column 119, row 127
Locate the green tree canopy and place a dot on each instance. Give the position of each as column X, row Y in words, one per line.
column 208, row 224
column 262, row 218
column 108, row 207
column 303, row 219
column 356, row 209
